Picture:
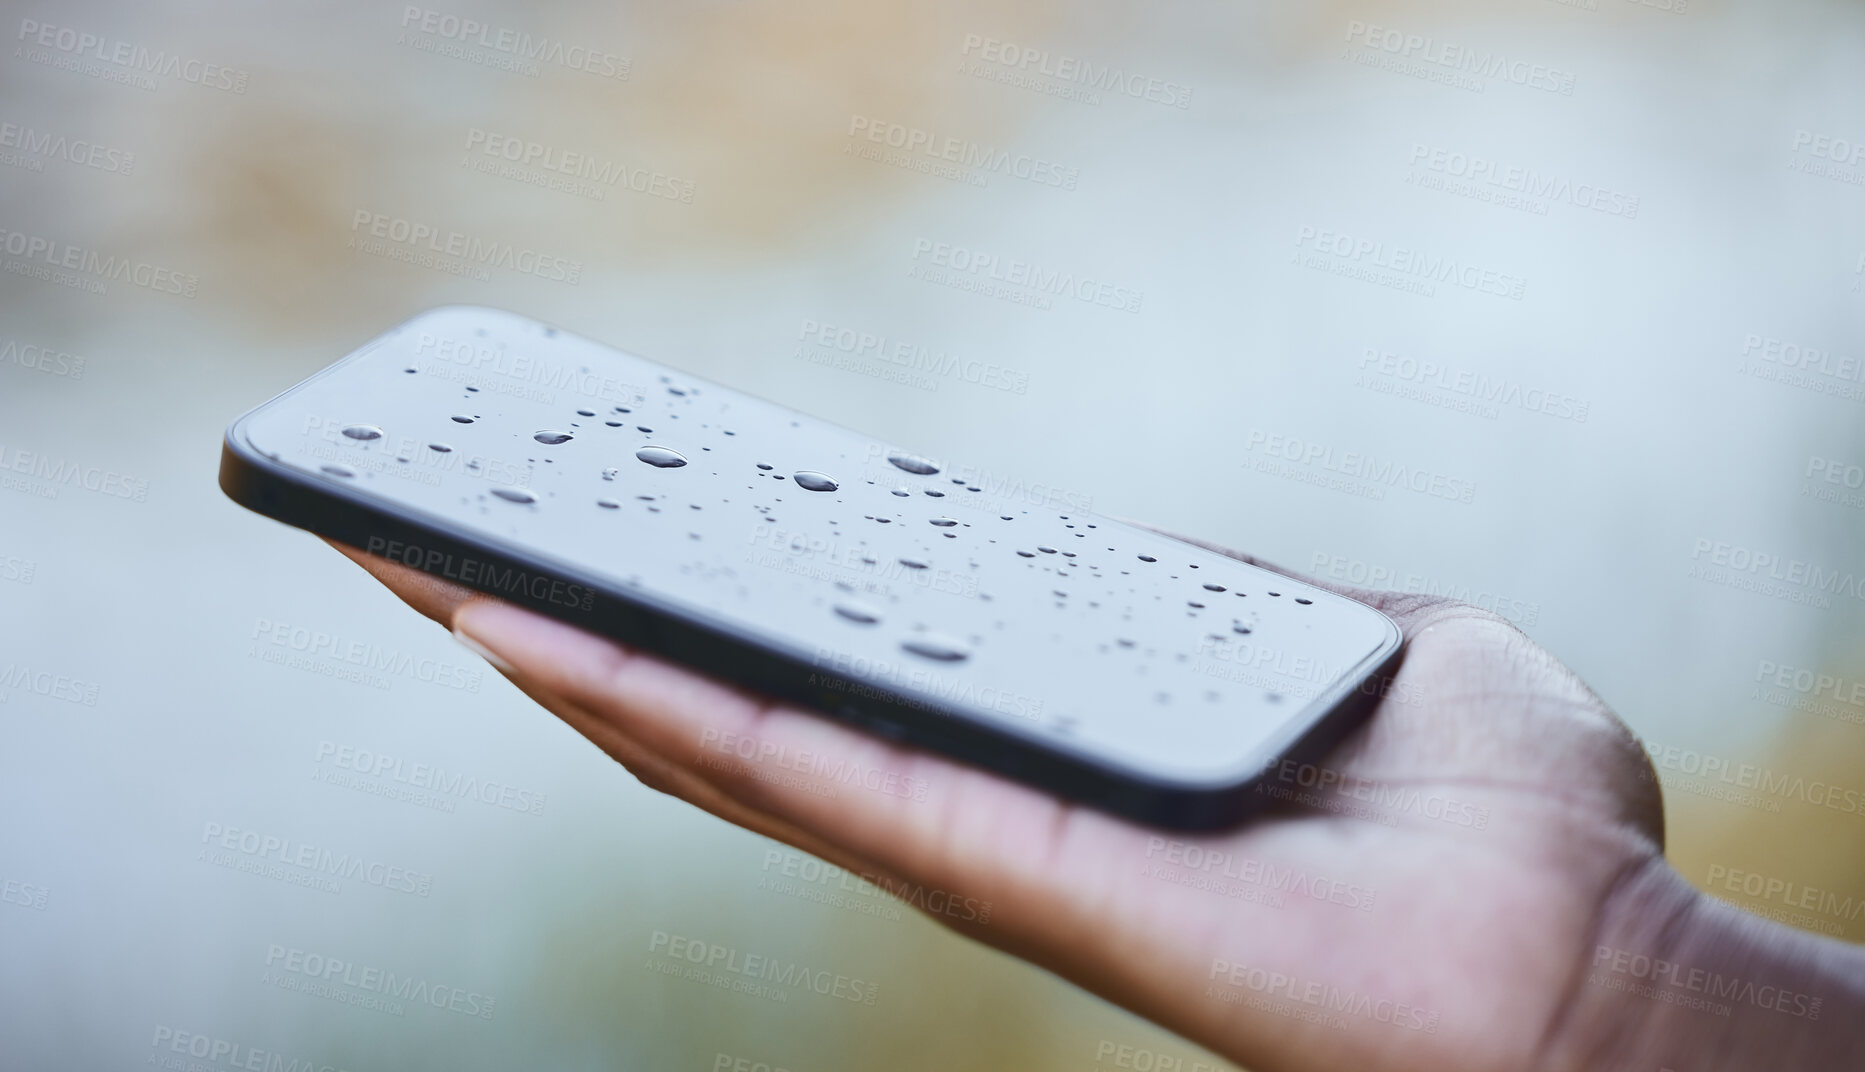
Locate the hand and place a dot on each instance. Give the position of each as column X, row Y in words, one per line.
column 1459, row 863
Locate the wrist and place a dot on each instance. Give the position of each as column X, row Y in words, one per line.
column 1675, row 979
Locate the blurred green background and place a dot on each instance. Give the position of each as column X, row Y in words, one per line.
column 1668, row 196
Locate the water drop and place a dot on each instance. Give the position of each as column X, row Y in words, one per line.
column 944, row 522
column 551, row 439
column 912, row 563
column 608, row 504
column 613, row 424
column 935, row 493
column 1027, row 554
column 609, row 474
column 912, row 464
column 457, row 419
column 1148, row 558
column 661, row 457
column 858, row 612
column 1214, row 588
column 812, row 481
column 1304, row 602
column 933, row 646
column 441, row 448
column 1046, row 550
column 585, row 413
column 514, row 495
column 902, row 492
column 363, row 431
column 764, row 467
column 1239, row 627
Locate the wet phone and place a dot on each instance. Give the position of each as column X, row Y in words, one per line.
column 925, row 600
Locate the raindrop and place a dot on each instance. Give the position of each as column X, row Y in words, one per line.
column 440, row 448
column 363, row 431
column 338, row 470
column 912, row 563
column 613, row 424
column 912, row 464
column 660, row 457
column 1148, row 558
column 902, row 492
column 514, row 495
column 608, row 504
column 457, row 419
column 551, row 439
column 585, row 413
column 1046, row 550
column 935, row 493
column 812, row 481
column 1275, row 593
column 1239, row 627
column 944, row 522
column 764, row 467
column 1214, row 588
column 858, row 612
column 1027, row 554
column 1304, row 602
column 933, row 646
column 609, row 474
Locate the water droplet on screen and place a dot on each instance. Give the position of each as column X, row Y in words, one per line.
column 934, row 646
column 944, row 522
column 912, row 563
column 608, row 504
column 812, row 481
column 912, row 464
column 551, row 439
column 1214, row 588
column 585, row 413
column 1027, row 554
column 661, row 457
column 1148, row 558
column 1046, row 550
column 609, row 474
column 764, row 467
column 514, row 495
column 457, row 419
column 1239, row 627
column 935, row 493
column 902, row 492
column 338, row 470
column 363, row 431
column 441, row 448
column 1305, row 602
column 858, row 612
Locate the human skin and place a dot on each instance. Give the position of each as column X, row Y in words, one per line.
column 1501, row 931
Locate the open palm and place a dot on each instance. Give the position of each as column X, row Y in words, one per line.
column 1425, row 898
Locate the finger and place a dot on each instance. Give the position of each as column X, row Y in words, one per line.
column 936, row 822
column 432, row 596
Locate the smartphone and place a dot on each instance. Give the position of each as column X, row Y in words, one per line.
column 928, row 601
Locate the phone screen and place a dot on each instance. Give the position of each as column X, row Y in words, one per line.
column 852, row 556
